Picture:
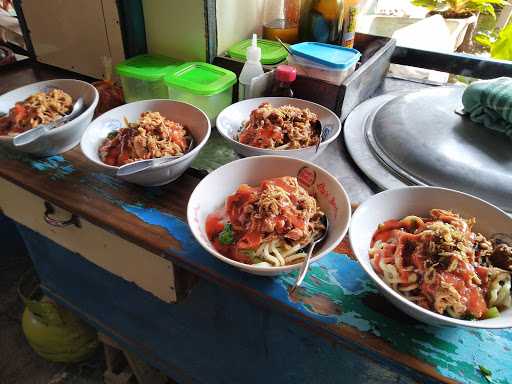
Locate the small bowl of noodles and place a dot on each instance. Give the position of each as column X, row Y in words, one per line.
column 442, row 256
column 145, row 130
column 278, row 126
column 260, row 214
column 45, row 102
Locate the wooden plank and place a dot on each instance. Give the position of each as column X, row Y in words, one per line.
column 103, row 248
column 338, row 301
column 114, row 36
column 216, row 336
column 78, row 24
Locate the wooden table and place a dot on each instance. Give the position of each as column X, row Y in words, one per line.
column 134, row 271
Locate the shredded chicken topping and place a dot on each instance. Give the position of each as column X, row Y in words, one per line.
column 286, row 127
column 153, row 135
column 39, row 108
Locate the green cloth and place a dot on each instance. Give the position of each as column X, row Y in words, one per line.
column 489, row 102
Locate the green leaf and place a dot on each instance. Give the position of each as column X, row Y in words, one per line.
column 226, row 236
column 502, row 48
column 112, row 135
column 484, row 40
column 431, row 5
column 491, row 313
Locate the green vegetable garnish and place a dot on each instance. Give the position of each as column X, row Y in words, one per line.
column 112, row 135
column 491, row 313
column 226, row 236
column 486, row 373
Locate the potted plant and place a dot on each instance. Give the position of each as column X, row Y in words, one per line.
column 459, row 9
column 462, row 9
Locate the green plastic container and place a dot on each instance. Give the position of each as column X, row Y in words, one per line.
column 271, row 51
column 142, row 76
column 206, row 86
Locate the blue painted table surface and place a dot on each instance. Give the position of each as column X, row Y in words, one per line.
column 338, row 299
column 338, row 303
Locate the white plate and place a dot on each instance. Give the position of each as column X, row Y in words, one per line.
column 400, row 202
column 65, row 137
column 210, row 195
column 189, row 116
column 231, row 118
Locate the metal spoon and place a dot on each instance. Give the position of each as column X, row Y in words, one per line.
column 33, row 134
column 320, row 129
column 305, row 264
column 291, row 54
column 142, row 165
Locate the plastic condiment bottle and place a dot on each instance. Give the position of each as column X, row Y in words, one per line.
column 252, row 68
column 284, row 76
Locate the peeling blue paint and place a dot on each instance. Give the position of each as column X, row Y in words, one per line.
column 56, row 164
column 336, row 282
column 455, row 352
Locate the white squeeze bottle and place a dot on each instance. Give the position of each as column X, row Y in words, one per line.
column 252, row 68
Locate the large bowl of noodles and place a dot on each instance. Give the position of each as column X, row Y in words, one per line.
column 277, row 203
column 63, row 137
column 433, row 252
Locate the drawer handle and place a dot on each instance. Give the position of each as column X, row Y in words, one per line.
column 49, row 210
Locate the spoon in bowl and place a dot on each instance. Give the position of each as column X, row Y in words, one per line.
column 33, row 134
column 307, row 261
column 142, row 165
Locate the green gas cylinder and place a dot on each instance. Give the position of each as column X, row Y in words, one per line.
column 55, row 333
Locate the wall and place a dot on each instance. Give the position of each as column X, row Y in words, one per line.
column 176, row 28
column 237, row 20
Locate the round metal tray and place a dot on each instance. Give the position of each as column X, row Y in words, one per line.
column 417, row 138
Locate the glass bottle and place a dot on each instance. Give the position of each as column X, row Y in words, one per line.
column 321, row 20
column 284, row 76
column 281, row 19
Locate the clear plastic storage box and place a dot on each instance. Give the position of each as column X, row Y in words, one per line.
column 142, row 77
column 206, row 86
column 331, row 63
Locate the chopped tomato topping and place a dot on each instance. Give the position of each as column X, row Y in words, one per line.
column 250, row 240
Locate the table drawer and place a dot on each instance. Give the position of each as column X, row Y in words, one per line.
column 113, row 253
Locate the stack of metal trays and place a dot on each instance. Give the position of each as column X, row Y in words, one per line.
column 419, row 139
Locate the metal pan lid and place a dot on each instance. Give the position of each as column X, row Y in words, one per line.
column 423, row 141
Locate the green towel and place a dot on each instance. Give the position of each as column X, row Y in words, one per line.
column 489, row 102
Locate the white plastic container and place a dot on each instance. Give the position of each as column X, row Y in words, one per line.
column 331, row 63
column 205, row 86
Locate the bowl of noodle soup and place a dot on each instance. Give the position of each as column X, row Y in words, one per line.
column 433, row 253
column 270, row 207
column 48, row 101
column 278, row 126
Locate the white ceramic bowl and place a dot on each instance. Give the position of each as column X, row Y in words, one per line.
column 400, row 202
column 231, row 118
column 189, row 116
column 65, row 137
column 210, row 195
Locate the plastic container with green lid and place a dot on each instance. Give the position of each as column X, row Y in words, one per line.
column 271, row 51
column 142, row 76
column 203, row 85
